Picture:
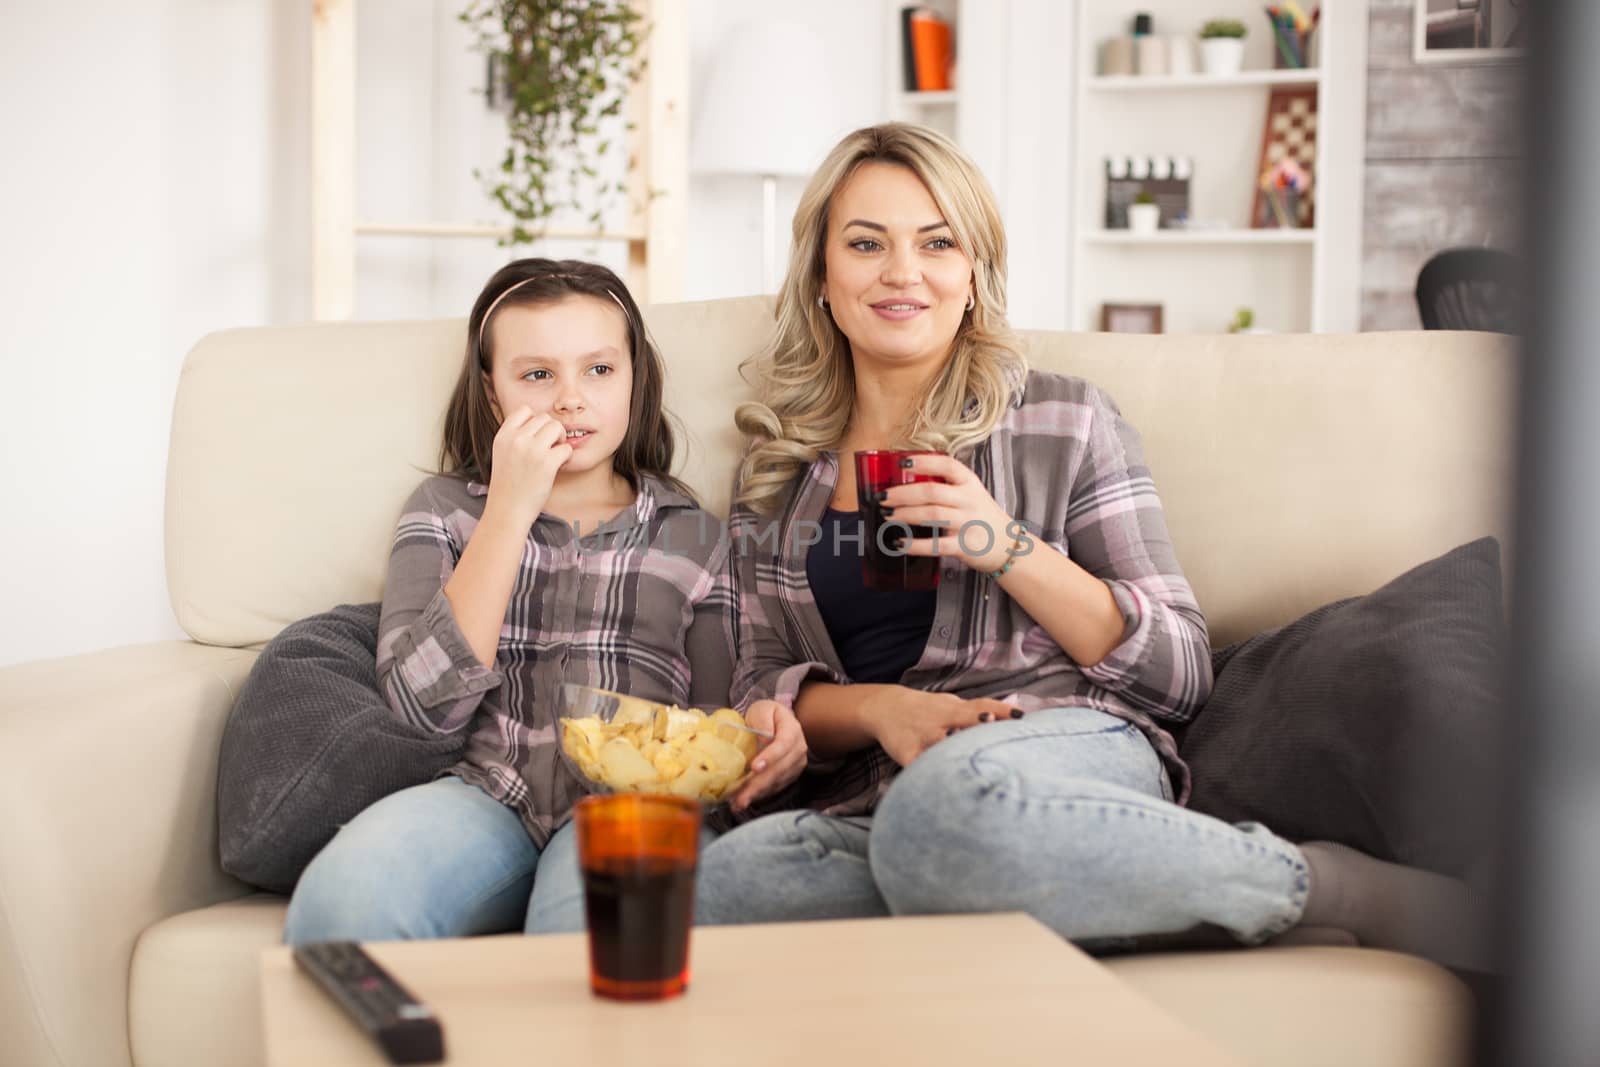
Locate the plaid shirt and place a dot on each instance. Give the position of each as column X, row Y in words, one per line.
column 644, row 606
column 1066, row 464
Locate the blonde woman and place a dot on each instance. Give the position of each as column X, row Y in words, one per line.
column 1000, row 742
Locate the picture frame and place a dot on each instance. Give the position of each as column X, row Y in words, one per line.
column 1467, row 31
column 1130, row 318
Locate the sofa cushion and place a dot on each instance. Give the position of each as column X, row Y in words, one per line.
column 1371, row 721
column 311, row 742
column 1312, row 1007
column 1317, row 421
column 194, row 988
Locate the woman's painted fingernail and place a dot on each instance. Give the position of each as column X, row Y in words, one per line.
column 906, row 462
column 881, row 495
column 887, row 510
column 1016, row 713
column 984, row 716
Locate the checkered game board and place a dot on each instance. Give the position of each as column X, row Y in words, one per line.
column 1291, row 130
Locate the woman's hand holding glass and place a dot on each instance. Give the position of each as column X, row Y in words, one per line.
column 973, row 528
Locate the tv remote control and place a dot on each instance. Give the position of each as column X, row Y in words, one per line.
column 403, row 1026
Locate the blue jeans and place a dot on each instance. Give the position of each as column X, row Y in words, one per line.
column 1065, row 814
column 443, row 859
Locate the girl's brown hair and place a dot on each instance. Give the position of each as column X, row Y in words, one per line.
column 470, row 422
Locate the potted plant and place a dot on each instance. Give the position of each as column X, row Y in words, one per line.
column 1144, row 214
column 1244, row 321
column 564, row 69
column 1222, row 46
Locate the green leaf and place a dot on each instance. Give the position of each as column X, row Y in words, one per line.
column 567, row 64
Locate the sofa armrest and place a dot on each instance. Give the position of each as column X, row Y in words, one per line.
column 109, row 795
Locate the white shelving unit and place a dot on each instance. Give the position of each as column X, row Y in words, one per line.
column 1294, row 280
column 1202, row 237
column 941, row 110
column 656, row 232
column 1132, row 83
column 1011, row 112
column 939, row 98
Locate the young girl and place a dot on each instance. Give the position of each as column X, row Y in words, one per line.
column 492, row 601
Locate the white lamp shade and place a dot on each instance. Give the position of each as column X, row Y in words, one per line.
column 766, row 108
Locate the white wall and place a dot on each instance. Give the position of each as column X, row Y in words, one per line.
column 422, row 126
column 151, row 193
column 155, row 190
column 1021, row 82
column 724, row 210
column 417, row 64
column 1016, row 71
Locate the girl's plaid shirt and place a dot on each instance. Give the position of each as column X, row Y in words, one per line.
column 644, row 605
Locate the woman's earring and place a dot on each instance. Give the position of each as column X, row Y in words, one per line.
column 821, row 303
column 972, row 301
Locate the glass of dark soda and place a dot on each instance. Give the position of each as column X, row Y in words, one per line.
column 638, row 854
column 884, row 563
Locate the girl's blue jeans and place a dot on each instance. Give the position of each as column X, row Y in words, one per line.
column 1065, row 814
column 443, row 859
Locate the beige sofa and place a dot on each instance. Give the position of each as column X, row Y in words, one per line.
column 1295, row 469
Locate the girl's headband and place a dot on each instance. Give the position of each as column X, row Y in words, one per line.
column 484, row 324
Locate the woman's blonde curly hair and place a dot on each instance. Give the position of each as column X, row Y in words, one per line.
column 805, row 378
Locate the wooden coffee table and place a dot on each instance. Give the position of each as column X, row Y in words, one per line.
column 965, row 990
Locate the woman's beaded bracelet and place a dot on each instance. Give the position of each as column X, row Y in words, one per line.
column 1011, row 558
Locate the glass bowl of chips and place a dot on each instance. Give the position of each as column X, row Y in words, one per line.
column 616, row 743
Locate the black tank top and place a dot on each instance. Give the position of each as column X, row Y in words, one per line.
column 878, row 635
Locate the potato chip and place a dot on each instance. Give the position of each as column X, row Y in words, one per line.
column 694, row 782
column 650, row 748
column 633, row 710
column 729, row 726
column 677, row 722
column 720, row 754
column 669, row 761
column 623, row 766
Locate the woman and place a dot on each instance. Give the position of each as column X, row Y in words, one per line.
column 1001, row 742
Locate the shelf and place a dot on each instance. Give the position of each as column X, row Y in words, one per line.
column 450, row 229
column 1311, row 278
column 943, row 97
column 1134, row 83
column 1203, row 237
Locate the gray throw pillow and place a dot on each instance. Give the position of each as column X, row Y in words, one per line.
column 1372, row 721
column 309, row 743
